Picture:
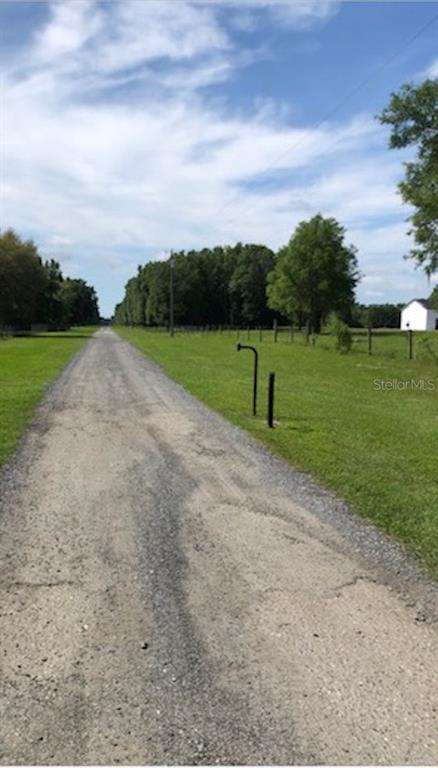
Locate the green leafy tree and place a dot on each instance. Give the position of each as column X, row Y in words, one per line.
column 79, row 301
column 136, row 299
column 433, row 298
column 249, row 280
column 157, row 300
column 413, row 116
column 22, row 280
column 214, row 286
column 50, row 308
column 316, row 273
column 376, row 315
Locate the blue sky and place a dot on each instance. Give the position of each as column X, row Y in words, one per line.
column 136, row 127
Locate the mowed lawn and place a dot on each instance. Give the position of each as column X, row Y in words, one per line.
column 27, row 365
column 378, row 448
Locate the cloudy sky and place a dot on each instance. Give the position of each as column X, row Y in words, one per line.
column 131, row 128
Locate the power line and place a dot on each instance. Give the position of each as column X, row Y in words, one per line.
column 341, row 103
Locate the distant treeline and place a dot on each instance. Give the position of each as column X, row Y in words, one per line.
column 233, row 286
column 375, row 315
column 214, row 286
column 35, row 291
column 219, row 287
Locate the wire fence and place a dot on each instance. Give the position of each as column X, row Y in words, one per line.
column 381, row 342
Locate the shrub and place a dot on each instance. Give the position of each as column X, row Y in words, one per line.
column 337, row 328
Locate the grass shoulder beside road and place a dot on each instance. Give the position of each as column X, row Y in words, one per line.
column 27, row 365
column 365, row 427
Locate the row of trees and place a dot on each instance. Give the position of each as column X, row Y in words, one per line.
column 214, row 286
column 376, row 315
column 313, row 275
column 316, row 273
column 249, row 285
column 35, row 291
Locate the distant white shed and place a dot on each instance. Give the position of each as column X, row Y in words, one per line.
column 419, row 315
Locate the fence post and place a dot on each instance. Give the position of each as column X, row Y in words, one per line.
column 275, row 329
column 271, row 387
column 370, row 340
column 410, row 344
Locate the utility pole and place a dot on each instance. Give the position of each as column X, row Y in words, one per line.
column 171, row 313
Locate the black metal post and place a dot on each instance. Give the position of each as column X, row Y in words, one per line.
column 410, row 344
column 256, row 367
column 271, row 400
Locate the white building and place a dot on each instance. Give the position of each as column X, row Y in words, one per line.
column 419, row 315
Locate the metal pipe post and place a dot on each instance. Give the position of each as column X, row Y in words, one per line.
column 271, row 389
column 255, row 375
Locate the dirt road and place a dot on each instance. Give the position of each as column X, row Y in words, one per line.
column 171, row 593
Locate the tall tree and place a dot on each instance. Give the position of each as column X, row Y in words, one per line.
column 248, row 282
column 50, row 308
column 413, row 116
column 80, row 302
column 157, row 301
column 22, row 279
column 316, row 273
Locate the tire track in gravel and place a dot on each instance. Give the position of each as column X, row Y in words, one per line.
column 171, row 593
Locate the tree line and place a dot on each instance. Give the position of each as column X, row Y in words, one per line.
column 249, row 285
column 36, row 291
column 213, row 286
column 316, row 273
column 313, row 276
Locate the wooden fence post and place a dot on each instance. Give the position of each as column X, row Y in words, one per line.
column 410, row 344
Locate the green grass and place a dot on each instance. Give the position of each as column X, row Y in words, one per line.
column 27, row 365
column 377, row 449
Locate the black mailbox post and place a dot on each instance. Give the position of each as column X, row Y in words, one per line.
column 256, row 365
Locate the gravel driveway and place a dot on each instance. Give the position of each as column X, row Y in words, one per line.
column 172, row 593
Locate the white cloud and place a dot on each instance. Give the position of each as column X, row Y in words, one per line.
column 377, row 242
column 93, row 41
column 97, row 174
column 59, row 241
column 160, row 256
column 295, row 13
column 70, row 26
column 120, row 174
column 432, row 70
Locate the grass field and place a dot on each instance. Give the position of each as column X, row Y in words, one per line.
column 373, row 443
column 27, row 365
column 392, row 344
